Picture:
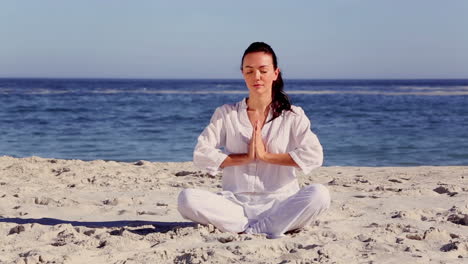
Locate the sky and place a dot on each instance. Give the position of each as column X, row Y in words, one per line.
column 322, row 39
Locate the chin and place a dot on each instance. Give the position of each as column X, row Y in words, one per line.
column 260, row 91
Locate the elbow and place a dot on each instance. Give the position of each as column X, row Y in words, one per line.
column 317, row 156
column 209, row 161
column 198, row 160
column 307, row 160
column 320, row 158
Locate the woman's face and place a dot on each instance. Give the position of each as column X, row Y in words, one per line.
column 259, row 72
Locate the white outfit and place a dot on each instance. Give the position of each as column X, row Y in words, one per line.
column 258, row 197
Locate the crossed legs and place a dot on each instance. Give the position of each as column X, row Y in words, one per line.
column 297, row 211
column 205, row 207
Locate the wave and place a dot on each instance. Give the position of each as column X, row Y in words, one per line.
column 434, row 88
column 35, row 91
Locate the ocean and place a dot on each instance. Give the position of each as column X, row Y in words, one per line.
column 358, row 122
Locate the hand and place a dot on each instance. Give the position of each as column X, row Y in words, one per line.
column 251, row 151
column 260, row 149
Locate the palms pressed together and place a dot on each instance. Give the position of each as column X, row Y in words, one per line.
column 257, row 148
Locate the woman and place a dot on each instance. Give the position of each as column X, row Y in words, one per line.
column 264, row 139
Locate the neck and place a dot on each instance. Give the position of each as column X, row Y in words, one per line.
column 259, row 103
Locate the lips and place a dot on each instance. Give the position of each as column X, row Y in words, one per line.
column 258, row 85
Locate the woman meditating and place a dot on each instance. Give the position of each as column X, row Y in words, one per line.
column 258, row 143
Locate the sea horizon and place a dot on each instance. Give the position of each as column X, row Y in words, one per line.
column 241, row 79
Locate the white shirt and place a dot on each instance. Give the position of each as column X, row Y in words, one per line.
column 230, row 131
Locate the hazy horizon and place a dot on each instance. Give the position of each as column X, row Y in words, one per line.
column 232, row 79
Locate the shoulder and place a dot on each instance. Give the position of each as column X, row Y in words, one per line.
column 296, row 112
column 228, row 108
column 297, row 116
column 297, row 109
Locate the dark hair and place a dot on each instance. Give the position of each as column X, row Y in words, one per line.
column 280, row 100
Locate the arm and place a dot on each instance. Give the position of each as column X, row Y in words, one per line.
column 207, row 154
column 236, row 160
column 279, row 159
column 308, row 152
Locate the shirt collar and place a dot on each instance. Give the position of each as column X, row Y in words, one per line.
column 243, row 103
column 243, row 106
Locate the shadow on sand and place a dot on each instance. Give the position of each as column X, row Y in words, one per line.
column 159, row 227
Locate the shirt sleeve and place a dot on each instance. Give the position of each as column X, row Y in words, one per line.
column 207, row 154
column 307, row 152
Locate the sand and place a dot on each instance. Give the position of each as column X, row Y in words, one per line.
column 73, row 211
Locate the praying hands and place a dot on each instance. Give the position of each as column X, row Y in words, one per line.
column 257, row 148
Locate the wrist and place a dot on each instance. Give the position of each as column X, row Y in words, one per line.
column 248, row 158
column 265, row 156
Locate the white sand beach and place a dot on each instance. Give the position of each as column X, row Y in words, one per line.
column 73, row 211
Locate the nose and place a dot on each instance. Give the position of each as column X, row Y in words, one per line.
column 257, row 75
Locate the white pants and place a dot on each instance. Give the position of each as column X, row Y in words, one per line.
column 254, row 214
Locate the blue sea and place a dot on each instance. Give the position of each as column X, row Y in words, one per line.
column 359, row 122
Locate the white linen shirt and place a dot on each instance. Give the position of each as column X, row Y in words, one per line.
column 230, row 131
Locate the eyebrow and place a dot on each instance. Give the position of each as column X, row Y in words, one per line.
column 262, row 66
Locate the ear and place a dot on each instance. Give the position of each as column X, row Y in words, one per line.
column 277, row 71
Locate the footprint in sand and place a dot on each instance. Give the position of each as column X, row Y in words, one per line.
column 44, row 201
column 443, row 190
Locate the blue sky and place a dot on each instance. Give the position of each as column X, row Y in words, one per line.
column 206, row 39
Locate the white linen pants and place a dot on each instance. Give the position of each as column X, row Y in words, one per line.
column 252, row 213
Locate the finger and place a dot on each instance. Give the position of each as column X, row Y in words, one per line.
column 254, row 133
